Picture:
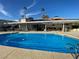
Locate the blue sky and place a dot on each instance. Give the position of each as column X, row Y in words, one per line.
column 12, row 9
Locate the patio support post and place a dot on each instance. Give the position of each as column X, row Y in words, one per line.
column 19, row 26
column 26, row 27
column 63, row 28
column 45, row 28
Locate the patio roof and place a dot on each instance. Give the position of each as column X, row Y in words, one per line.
column 45, row 22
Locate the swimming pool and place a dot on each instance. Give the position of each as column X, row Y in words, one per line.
column 46, row 42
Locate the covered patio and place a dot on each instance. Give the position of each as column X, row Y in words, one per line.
column 55, row 25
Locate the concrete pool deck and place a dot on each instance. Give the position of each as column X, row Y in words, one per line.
column 18, row 53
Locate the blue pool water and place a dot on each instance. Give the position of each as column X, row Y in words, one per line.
column 46, row 42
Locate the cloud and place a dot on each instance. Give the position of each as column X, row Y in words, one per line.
column 33, row 3
column 22, row 12
column 32, row 14
column 26, row 8
column 3, row 11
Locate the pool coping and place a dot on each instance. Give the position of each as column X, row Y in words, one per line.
column 8, row 32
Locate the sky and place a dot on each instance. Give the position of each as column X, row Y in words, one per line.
column 13, row 9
